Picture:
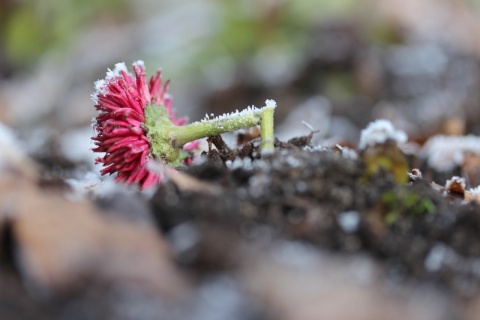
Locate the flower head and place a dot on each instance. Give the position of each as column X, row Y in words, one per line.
column 120, row 132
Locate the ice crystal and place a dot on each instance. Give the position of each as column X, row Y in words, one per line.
column 379, row 132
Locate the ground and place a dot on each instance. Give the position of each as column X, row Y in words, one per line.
column 239, row 235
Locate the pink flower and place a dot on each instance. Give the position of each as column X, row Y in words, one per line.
column 119, row 131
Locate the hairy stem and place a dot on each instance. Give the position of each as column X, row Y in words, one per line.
column 266, row 127
column 178, row 136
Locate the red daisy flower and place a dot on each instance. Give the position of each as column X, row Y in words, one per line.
column 121, row 99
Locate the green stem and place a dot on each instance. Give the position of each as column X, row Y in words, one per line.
column 266, row 128
column 180, row 135
column 167, row 139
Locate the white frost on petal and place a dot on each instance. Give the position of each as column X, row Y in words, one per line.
column 379, row 132
column 100, row 89
column 139, row 63
column 119, row 67
column 101, row 86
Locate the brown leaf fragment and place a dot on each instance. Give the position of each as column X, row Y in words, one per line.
column 244, row 138
column 60, row 244
column 185, row 183
column 456, row 186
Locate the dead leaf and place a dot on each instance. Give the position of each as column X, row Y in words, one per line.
column 61, row 243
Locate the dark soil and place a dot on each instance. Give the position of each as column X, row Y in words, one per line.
column 302, row 194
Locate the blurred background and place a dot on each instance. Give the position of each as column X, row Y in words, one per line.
column 336, row 64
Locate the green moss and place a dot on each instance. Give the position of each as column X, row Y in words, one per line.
column 387, row 158
column 400, row 202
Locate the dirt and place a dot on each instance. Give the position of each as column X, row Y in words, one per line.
column 303, row 195
column 224, row 217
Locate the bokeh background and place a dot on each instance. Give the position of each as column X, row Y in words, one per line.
column 336, row 64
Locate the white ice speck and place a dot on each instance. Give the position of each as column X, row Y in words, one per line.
column 119, row 67
column 101, row 86
column 315, row 148
column 269, row 103
column 380, row 131
column 248, row 112
column 100, row 89
column 349, row 221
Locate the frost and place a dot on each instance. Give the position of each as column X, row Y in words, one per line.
column 100, row 89
column 139, row 63
column 443, row 153
column 455, row 181
column 380, row 131
column 250, row 111
column 315, row 148
column 119, row 67
column 101, row 86
column 415, row 174
column 270, row 104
